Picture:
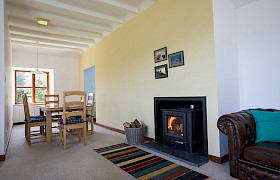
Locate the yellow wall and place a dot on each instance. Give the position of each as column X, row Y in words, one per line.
column 125, row 83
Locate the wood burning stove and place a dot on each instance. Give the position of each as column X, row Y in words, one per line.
column 194, row 123
column 183, row 126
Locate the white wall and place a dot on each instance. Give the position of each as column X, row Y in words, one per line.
column 226, row 61
column 258, row 54
column 8, row 84
column 65, row 68
column 2, row 77
column 5, row 81
column 247, row 55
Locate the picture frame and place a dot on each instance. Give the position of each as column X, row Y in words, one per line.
column 176, row 59
column 160, row 54
column 161, row 71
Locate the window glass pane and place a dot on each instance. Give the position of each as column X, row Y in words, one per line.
column 40, row 94
column 21, row 91
column 41, row 80
column 23, row 79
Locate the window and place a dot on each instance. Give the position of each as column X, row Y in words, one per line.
column 34, row 85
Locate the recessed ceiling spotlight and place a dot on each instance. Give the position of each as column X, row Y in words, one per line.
column 43, row 21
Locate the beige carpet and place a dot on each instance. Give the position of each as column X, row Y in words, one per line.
column 50, row 161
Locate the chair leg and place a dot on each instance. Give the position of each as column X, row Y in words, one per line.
column 91, row 124
column 28, row 135
column 60, row 135
column 64, row 138
column 80, row 135
column 42, row 129
column 25, row 130
column 85, row 134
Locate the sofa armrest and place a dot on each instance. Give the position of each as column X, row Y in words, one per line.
column 240, row 129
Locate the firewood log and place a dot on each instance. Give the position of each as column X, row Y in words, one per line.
column 177, row 127
column 137, row 123
column 127, row 125
column 133, row 125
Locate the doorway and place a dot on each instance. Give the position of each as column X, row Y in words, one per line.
column 89, row 83
column 89, row 80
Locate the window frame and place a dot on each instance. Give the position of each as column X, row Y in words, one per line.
column 33, row 87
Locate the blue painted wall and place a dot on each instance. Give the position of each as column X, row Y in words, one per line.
column 89, row 80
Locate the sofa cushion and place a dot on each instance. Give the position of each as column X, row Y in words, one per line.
column 267, row 126
column 267, row 154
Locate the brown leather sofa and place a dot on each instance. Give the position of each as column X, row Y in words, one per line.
column 247, row 159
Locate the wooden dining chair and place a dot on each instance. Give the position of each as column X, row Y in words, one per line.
column 75, row 119
column 52, row 100
column 90, row 111
column 32, row 121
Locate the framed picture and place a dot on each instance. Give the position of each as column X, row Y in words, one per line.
column 161, row 71
column 176, row 59
column 160, row 54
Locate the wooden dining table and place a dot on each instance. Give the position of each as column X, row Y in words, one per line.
column 49, row 111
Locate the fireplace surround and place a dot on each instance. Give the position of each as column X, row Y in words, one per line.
column 188, row 115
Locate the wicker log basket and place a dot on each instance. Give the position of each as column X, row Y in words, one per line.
column 134, row 132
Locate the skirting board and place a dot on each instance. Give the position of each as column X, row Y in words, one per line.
column 110, row 128
column 120, row 131
column 18, row 123
column 2, row 157
column 219, row 160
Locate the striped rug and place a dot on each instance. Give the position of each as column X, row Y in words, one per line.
column 144, row 165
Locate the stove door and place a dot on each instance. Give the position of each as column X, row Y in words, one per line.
column 174, row 127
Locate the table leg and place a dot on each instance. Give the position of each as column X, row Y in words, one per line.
column 49, row 126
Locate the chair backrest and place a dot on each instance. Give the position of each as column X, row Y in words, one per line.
column 71, row 101
column 90, row 102
column 26, row 108
column 52, row 100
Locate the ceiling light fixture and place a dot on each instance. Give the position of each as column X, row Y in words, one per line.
column 37, row 70
column 43, row 21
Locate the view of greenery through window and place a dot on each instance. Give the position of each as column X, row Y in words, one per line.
column 34, row 85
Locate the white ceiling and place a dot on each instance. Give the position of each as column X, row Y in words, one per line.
column 75, row 25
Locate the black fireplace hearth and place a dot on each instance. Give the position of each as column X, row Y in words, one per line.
column 178, row 152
